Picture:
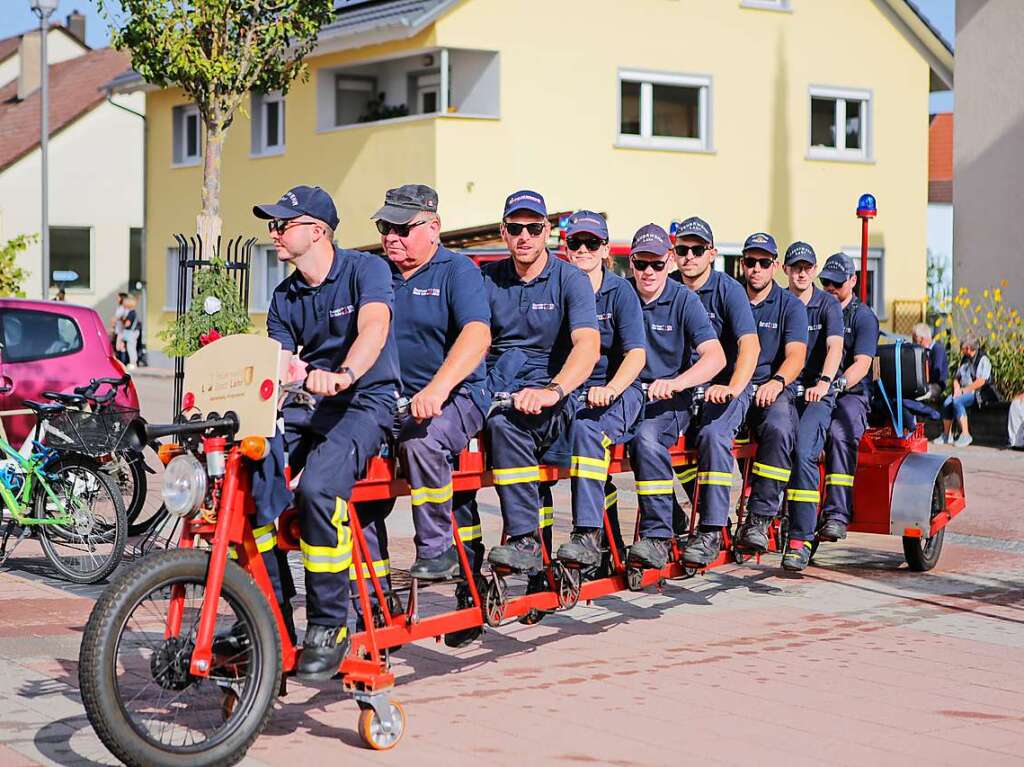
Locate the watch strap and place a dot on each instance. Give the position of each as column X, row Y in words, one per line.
column 557, row 389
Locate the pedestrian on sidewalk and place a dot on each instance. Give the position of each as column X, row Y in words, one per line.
column 974, row 373
column 117, row 328
column 132, row 325
column 1015, row 422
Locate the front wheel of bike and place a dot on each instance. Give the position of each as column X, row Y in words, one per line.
column 86, row 540
column 134, row 665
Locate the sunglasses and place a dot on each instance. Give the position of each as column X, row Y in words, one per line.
column 584, row 241
column 831, row 283
column 697, row 250
column 517, row 229
column 402, row 230
column 765, row 263
column 280, row 225
column 641, row 265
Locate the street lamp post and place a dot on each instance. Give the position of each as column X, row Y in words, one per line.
column 43, row 9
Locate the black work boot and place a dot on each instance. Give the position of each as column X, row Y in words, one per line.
column 440, row 568
column 832, row 529
column 754, row 533
column 649, row 552
column 322, row 652
column 797, row 556
column 583, row 548
column 521, row 554
column 703, row 548
column 464, row 599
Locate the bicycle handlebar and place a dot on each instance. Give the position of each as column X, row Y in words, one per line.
column 89, row 392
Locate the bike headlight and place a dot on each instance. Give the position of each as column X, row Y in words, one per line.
column 184, row 486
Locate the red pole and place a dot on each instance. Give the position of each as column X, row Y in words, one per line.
column 864, row 260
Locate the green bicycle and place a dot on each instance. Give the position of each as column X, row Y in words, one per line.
column 67, row 501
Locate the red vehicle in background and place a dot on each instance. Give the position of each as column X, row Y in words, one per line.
column 51, row 346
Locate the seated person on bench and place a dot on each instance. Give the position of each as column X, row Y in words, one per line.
column 678, row 330
column 336, row 305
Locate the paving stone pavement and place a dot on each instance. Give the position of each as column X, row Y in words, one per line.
column 856, row 661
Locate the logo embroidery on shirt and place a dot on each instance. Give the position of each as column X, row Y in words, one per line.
column 812, row 328
column 342, row 311
column 547, row 307
column 766, row 324
column 711, row 316
column 607, row 316
column 664, row 328
column 426, row 291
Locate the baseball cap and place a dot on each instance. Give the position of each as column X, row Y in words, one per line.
column 404, row 202
column 761, row 241
column 589, row 222
column 838, row 268
column 696, row 227
column 525, row 199
column 800, row 251
column 650, row 238
column 301, row 201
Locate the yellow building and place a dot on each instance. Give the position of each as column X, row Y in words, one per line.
column 650, row 110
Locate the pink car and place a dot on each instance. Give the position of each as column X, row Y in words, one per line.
column 55, row 346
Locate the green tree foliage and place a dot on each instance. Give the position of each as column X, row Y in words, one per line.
column 12, row 276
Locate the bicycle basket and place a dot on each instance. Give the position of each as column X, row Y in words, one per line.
column 78, row 431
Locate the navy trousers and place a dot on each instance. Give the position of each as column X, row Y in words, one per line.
column 775, row 429
column 803, row 495
column 849, row 420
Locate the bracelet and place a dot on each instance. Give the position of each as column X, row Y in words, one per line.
column 351, row 375
column 780, row 379
column 556, row 388
column 825, row 378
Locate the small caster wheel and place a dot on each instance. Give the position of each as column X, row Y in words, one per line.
column 635, row 579
column 373, row 731
column 569, row 581
column 689, row 572
column 739, row 557
column 495, row 601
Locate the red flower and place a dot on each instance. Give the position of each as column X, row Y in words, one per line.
column 209, row 338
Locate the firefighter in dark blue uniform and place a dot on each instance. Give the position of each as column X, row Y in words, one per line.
column 334, row 310
column 613, row 397
column 729, row 396
column 543, row 311
column 850, row 416
column 682, row 352
column 781, row 321
column 442, row 327
column 824, row 353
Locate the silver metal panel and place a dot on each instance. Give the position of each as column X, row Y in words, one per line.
column 912, row 493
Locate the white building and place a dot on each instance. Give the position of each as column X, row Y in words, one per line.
column 96, row 176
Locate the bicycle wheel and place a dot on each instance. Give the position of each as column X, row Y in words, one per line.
column 134, row 673
column 139, row 489
column 89, row 548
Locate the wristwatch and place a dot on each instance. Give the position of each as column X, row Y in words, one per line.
column 825, row 378
column 780, row 379
column 351, row 375
column 556, row 388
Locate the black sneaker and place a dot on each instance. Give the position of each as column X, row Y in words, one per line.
column 797, row 556
column 521, row 554
column 649, row 552
column 754, row 533
column 464, row 599
column 583, row 548
column 832, row 529
column 322, row 652
column 440, row 568
column 703, row 548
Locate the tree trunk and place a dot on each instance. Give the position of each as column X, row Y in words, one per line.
column 208, row 222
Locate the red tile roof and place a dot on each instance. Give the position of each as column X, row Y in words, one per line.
column 74, row 90
column 940, row 158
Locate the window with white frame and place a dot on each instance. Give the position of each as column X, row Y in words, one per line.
column 267, row 123
column 353, row 96
column 876, row 277
column 186, row 135
column 840, row 124
column 664, row 111
column 267, row 274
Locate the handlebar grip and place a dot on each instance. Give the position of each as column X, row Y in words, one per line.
column 156, row 431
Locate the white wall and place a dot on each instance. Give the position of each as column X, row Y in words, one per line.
column 940, row 238
column 59, row 47
column 96, row 180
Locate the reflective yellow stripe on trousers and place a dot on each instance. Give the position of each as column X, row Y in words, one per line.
column 331, row 559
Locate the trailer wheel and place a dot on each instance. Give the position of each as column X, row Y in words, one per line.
column 373, row 732
column 922, row 554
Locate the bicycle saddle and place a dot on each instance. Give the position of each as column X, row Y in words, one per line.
column 44, row 408
column 74, row 400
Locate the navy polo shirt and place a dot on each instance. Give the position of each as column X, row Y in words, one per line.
column 728, row 310
column 824, row 321
column 431, row 309
column 781, row 318
column 539, row 316
column 860, row 337
column 322, row 319
column 621, row 322
column 676, row 323
column 939, row 363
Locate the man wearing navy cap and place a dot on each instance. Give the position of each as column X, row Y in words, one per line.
column 335, row 307
column 781, row 321
column 727, row 400
column 850, row 416
column 442, row 328
column 824, row 353
column 542, row 311
column 613, row 394
column 682, row 352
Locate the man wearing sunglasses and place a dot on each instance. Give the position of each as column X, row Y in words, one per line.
column 781, row 321
column 442, row 328
column 824, row 353
column 334, row 311
column 850, row 415
column 613, row 393
column 727, row 399
column 682, row 352
column 542, row 309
